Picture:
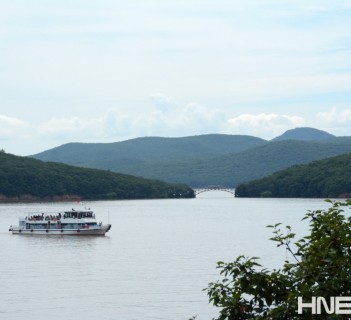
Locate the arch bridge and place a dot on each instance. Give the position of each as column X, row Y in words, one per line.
column 212, row 188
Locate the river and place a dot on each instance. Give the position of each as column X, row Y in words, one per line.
column 153, row 264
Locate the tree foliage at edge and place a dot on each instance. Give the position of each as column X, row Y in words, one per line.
column 321, row 266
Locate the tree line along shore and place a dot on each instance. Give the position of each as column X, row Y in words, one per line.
column 26, row 179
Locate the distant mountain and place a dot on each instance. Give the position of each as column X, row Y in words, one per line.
column 116, row 156
column 328, row 178
column 26, row 179
column 233, row 169
column 305, row 134
column 200, row 160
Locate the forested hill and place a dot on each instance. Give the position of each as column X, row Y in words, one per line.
column 26, row 179
column 115, row 156
column 233, row 169
column 305, row 134
column 203, row 160
column 328, row 178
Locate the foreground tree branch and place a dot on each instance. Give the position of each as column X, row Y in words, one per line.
column 321, row 268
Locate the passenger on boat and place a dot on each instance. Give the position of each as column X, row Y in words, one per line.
column 35, row 218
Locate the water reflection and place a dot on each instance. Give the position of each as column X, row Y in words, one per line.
column 153, row 264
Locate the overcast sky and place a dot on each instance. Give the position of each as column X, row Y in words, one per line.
column 110, row 70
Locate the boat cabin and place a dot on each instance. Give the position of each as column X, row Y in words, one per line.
column 78, row 214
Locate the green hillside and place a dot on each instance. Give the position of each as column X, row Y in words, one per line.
column 116, row 156
column 202, row 160
column 328, row 178
column 233, row 169
column 24, row 178
column 305, row 134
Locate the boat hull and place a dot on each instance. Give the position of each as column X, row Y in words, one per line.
column 101, row 231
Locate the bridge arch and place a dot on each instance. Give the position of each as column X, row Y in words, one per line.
column 212, row 188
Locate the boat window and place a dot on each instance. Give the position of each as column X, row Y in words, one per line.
column 68, row 226
column 78, row 214
column 87, row 214
column 38, row 226
column 70, row 214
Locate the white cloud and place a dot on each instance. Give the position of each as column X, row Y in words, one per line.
column 263, row 125
column 114, row 124
column 162, row 102
column 165, row 118
column 10, row 126
column 61, row 126
column 110, row 126
column 189, row 119
column 11, row 121
column 178, row 120
column 335, row 118
column 199, row 119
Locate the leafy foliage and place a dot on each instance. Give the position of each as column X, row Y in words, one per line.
column 328, row 178
column 23, row 178
column 321, row 267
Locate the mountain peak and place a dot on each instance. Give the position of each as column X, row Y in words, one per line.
column 305, row 134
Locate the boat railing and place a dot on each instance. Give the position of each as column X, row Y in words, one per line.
column 57, row 217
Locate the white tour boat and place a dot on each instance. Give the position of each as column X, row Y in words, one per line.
column 72, row 222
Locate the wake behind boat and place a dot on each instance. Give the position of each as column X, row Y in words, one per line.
column 80, row 222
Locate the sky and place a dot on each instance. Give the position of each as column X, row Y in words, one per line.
column 111, row 70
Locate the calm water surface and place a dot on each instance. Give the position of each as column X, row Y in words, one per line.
column 153, row 264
